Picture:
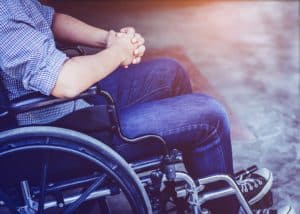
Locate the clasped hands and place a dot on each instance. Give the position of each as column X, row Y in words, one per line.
column 130, row 45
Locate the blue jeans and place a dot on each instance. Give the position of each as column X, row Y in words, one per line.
column 155, row 97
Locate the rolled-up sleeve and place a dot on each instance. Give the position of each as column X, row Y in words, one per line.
column 29, row 56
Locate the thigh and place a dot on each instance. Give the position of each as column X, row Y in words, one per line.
column 186, row 122
column 147, row 81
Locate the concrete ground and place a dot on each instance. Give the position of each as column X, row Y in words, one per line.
column 248, row 50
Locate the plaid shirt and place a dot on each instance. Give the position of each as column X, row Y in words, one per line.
column 29, row 60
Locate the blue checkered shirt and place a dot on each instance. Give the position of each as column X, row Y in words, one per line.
column 29, row 60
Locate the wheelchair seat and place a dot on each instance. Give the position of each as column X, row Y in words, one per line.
column 35, row 100
column 65, row 165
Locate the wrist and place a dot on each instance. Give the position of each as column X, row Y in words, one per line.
column 105, row 38
column 102, row 36
column 118, row 53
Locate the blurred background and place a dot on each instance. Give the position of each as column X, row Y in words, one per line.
column 245, row 53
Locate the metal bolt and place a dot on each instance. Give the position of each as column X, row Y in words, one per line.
column 60, row 205
column 205, row 211
column 50, row 184
column 2, row 203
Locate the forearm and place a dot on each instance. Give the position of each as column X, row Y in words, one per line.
column 80, row 73
column 69, row 29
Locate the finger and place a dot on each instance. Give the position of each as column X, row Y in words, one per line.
column 131, row 30
column 120, row 35
column 135, row 38
column 110, row 33
column 140, row 51
column 141, row 41
column 128, row 30
column 136, row 60
column 126, row 66
column 138, row 39
column 123, row 30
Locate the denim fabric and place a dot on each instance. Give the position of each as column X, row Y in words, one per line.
column 155, row 97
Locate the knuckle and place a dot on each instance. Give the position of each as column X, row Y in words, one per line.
column 131, row 29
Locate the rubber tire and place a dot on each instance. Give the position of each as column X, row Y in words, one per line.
column 99, row 150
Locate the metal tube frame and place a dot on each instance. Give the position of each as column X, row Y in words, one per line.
column 192, row 190
column 31, row 206
column 196, row 198
column 233, row 189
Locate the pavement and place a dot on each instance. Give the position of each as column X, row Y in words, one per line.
column 247, row 50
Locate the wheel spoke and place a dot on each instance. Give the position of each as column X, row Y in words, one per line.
column 85, row 194
column 43, row 182
column 25, row 145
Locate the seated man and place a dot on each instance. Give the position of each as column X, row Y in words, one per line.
column 153, row 97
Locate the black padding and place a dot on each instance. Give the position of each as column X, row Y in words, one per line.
column 3, row 99
column 7, row 119
column 91, row 119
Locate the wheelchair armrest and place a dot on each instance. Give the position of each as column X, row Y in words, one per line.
column 37, row 101
column 79, row 51
column 70, row 49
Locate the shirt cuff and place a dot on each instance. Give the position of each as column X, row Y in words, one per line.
column 45, row 79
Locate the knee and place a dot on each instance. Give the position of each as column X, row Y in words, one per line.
column 217, row 114
column 173, row 72
column 210, row 112
column 172, row 68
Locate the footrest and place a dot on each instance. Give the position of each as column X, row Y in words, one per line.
column 245, row 172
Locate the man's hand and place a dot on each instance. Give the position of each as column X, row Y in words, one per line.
column 111, row 38
column 123, row 43
column 138, row 40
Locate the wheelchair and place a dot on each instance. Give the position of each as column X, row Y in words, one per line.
column 47, row 169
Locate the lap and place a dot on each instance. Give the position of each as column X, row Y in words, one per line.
column 150, row 80
column 155, row 97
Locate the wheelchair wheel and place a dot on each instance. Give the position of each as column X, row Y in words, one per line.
column 47, row 168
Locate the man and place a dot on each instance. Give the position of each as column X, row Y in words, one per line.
column 152, row 97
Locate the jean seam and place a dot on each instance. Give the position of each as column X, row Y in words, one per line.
column 194, row 126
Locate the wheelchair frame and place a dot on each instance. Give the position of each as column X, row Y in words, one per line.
column 149, row 175
column 162, row 169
